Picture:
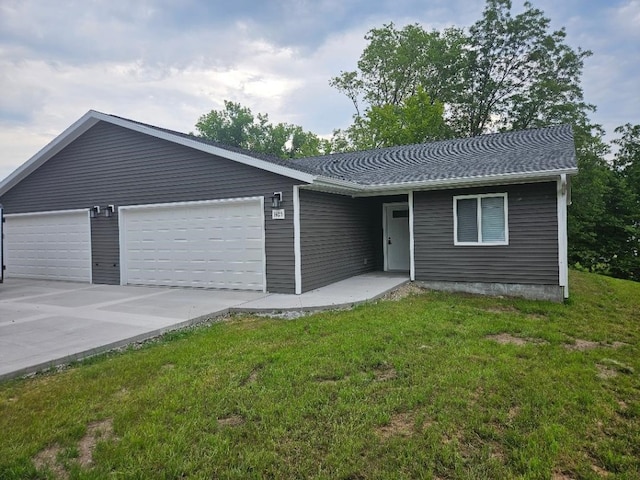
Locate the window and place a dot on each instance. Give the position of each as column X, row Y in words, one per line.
column 480, row 219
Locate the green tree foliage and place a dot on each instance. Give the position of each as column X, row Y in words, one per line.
column 236, row 126
column 604, row 219
column 416, row 119
column 507, row 71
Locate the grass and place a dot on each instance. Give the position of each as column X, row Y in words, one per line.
column 406, row 389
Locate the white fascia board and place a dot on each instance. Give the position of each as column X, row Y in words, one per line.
column 550, row 175
column 80, row 126
column 203, row 147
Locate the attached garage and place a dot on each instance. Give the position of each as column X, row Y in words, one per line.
column 48, row 245
column 211, row 244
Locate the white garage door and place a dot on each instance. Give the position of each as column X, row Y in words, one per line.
column 216, row 244
column 48, row 245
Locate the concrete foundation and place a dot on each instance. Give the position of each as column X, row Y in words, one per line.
column 553, row 293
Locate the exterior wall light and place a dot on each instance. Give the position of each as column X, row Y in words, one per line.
column 94, row 211
column 108, row 211
column 276, row 200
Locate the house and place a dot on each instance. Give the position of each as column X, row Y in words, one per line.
column 114, row 201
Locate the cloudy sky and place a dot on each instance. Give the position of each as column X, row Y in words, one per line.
column 166, row 62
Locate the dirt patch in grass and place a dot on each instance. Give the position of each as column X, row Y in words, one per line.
column 231, row 421
column 507, row 338
column 252, row 378
column 600, row 471
column 403, row 291
column 605, row 372
column 96, row 431
column 384, row 373
column 513, row 413
column 582, row 345
column 48, row 459
column 561, row 476
column 400, row 425
column 616, row 365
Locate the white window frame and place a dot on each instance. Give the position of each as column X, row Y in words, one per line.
column 479, row 198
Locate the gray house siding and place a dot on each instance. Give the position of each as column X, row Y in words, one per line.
column 110, row 165
column 337, row 238
column 530, row 258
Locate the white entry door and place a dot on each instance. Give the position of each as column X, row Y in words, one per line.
column 214, row 244
column 396, row 237
column 48, row 245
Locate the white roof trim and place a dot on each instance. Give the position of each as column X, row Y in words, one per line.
column 348, row 188
column 92, row 117
column 472, row 181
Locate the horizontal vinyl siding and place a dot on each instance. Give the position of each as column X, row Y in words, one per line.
column 110, row 165
column 530, row 258
column 335, row 238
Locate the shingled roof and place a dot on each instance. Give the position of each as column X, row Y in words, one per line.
column 524, row 152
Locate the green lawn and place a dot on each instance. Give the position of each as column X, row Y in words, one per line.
column 415, row 388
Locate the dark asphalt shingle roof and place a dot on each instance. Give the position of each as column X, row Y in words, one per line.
column 522, row 152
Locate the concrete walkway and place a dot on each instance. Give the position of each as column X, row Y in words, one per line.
column 45, row 324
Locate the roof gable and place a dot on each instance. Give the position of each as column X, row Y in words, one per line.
column 92, row 117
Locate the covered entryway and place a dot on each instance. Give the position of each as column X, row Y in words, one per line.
column 211, row 244
column 396, row 237
column 48, row 245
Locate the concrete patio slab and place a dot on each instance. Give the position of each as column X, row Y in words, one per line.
column 44, row 324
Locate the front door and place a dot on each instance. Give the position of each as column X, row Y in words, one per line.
column 396, row 237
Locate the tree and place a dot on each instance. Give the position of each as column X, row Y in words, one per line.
column 517, row 73
column 236, row 126
column 396, row 63
column 416, row 119
column 627, row 159
column 604, row 218
column 505, row 72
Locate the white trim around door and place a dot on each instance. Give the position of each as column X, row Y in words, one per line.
column 412, row 271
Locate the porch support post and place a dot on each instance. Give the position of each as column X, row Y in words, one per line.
column 412, row 272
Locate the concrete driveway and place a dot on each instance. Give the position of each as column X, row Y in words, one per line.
column 44, row 323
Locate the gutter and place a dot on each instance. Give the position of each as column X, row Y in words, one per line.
column 356, row 189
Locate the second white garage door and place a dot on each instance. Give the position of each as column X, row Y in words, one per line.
column 216, row 244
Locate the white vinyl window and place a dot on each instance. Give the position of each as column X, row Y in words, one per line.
column 480, row 219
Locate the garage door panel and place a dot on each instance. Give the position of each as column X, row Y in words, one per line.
column 49, row 245
column 214, row 245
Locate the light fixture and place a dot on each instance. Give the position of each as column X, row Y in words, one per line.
column 276, row 200
column 108, row 211
column 94, row 211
